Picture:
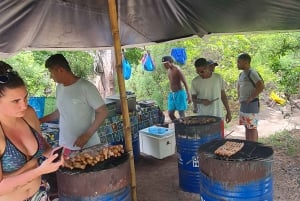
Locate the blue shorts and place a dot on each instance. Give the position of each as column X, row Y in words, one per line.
column 252, row 107
column 177, row 100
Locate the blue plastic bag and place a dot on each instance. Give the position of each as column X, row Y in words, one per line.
column 126, row 69
column 179, row 55
column 148, row 63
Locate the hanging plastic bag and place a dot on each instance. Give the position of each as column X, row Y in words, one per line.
column 179, row 55
column 126, row 69
column 147, row 62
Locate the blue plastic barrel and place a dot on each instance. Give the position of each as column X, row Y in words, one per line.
column 211, row 190
column 123, row 194
column 246, row 175
column 38, row 104
column 191, row 133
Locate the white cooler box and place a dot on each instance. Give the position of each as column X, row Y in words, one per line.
column 158, row 142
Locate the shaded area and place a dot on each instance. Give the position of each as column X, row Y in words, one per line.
column 157, row 180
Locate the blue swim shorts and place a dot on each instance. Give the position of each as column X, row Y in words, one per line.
column 177, row 100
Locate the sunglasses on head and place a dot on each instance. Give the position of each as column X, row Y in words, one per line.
column 4, row 78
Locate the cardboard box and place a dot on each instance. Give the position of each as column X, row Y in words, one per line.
column 158, row 142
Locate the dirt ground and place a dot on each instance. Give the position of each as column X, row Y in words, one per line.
column 157, row 179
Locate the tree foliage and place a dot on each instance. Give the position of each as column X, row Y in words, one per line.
column 30, row 66
column 275, row 55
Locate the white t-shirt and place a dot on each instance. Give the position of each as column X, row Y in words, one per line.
column 77, row 104
column 209, row 88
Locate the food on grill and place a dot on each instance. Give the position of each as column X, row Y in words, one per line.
column 229, row 148
column 92, row 156
column 204, row 120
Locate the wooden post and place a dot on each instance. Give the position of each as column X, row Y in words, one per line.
column 124, row 104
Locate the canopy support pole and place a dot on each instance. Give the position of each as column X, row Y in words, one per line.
column 124, row 104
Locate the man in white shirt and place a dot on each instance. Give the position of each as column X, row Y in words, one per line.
column 208, row 92
column 80, row 107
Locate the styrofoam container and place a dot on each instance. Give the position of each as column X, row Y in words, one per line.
column 158, row 142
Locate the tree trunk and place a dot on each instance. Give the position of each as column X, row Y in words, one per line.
column 104, row 63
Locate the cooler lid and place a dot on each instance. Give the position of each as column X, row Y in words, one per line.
column 158, row 131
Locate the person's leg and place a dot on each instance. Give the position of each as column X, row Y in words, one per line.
column 181, row 113
column 251, row 134
column 250, row 121
column 172, row 115
column 181, row 102
column 171, row 106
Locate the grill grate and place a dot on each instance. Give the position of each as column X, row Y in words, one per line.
column 106, row 164
column 250, row 151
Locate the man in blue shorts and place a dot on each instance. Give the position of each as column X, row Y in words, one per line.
column 178, row 97
column 250, row 85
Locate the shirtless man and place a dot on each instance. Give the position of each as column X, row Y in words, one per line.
column 177, row 98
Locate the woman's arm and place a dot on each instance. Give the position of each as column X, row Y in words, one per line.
column 11, row 182
column 28, row 166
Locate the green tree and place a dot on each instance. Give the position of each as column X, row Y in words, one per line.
column 30, row 66
column 274, row 55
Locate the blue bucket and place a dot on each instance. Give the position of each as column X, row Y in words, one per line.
column 246, row 175
column 191, row 133
column 38, row 104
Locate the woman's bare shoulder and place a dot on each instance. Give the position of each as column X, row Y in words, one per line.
column 31, row 117
column 30, row 112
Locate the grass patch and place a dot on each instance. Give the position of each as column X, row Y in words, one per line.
column 284, row 140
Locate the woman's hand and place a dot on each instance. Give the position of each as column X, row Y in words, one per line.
column 49, row 165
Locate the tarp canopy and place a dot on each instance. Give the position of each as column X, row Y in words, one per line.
column 76, row 24
column 68, row 24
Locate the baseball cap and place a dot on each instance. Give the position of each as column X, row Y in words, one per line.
column 167, row 59
column 210, row 62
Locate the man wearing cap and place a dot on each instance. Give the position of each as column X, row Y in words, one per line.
column 177, row 98
column 208, row 93
column 212, row 65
